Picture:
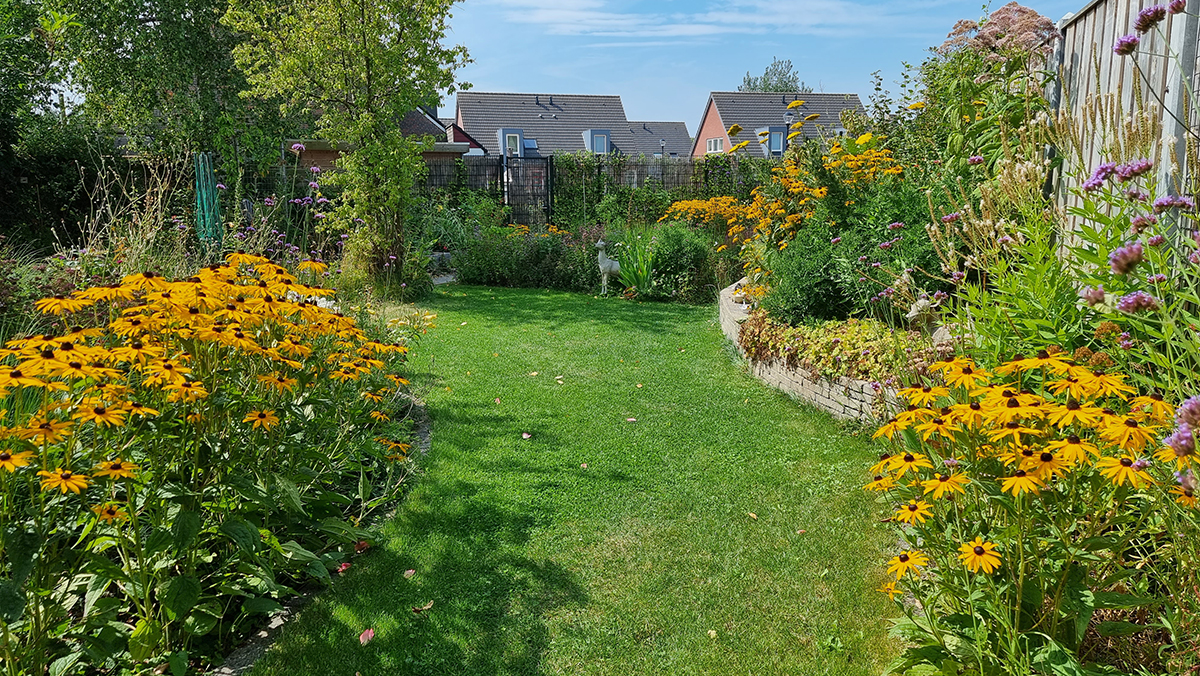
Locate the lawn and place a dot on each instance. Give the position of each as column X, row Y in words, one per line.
column 667, row 513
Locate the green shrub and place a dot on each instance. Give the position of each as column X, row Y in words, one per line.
column 625, row 207
column 516, row 257
column 683, row 264
column 803, row 283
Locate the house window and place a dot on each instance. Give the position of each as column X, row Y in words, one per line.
column 600, row 144
column 716, row 145
column 513, row 143
column 776, row 142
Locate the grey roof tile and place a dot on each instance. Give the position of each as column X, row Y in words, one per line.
column 752, row 110
column 649, row 134
column 556, row 121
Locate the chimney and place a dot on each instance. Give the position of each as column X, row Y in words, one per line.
column 552, row 99
column 537, row 100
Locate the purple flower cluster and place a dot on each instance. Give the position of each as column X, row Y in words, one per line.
column 221, row 186
column 1136, row 195
column 1189, row 412
column 1187, row 479
column 1127, row 45
column 1093, row 296
column 268, row 201
column 891, row 242
column 896, row 226
column 1173, row 201
column 1130, row 171
column 974, row 160
column 1137, row 302
column 1176, row 6
column 1156, row 240
column 958, row 277
column 1140, row 223
column 302, row 201
column 315, row 170
column 1124, row 259
column 951, row 218
column 1099, row 176
column 836, row 240
column 1148, row 18
column 1182, row 441
column 1156, row 279
column 298, row 147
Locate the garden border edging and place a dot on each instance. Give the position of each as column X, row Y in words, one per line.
column 845, row 398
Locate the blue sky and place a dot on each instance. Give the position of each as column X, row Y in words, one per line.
column 663, row 57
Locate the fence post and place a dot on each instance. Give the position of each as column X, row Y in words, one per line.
column 1181, row 82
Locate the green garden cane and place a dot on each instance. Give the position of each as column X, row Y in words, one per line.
column 208, row 213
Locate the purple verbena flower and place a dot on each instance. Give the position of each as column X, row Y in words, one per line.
column 975, row 159
column 1173, row 201
column 268, row 201
column 315, row 170
column 1140, row 464
column 318, row 216
column 862, row 259
column 836, row 240
column 951, row 218
column 1189, row 412
column 1140, row 223
column 1148, row 18
column 1136, row 195
column 1156, row 240
column 1130, row 171
column 1093, row 296
column 314, row 185
column 1124, row 259
column 1182, row 441
column 896, row 226
column 1176, row 7
column 957, row 277
column 1127, row 45
column 298, row 147
column 221, row 186
column 1137, row 301
column 1156, row 279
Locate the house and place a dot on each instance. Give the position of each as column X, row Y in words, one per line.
column 767, row 119
column 418, row 122
column 539, row 125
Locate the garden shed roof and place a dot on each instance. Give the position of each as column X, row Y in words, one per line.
column 557, row 122
column 755, row 110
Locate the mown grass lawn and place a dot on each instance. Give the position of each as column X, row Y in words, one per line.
column 647, row 560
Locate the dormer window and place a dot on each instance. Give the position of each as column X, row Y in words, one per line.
column 600, row 144
column 776, row 142
column 597, row 141
column 512, row 144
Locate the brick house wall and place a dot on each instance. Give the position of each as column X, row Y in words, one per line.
column 710, row 127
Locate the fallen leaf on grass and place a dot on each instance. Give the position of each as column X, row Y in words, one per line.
column 463, row 324
column 497, row 400
column 525, row 435
column 420, row 609
column 583, row 466
column 712, row 633
column 753, row 515
column 495, row 354
column 534, row 373
column 631, row 420
column 409, row 573
column 365, row 637
column 801, row 532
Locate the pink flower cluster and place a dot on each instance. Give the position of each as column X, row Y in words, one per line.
column 1137, row 302
column 1124, row 259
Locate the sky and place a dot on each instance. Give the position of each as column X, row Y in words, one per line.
column 663, row 57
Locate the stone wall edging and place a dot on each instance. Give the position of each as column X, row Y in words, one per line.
column 844, row 398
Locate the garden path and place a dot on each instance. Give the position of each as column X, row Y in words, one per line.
column 607, row 492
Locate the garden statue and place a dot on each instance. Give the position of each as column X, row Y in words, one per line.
column 608, row 267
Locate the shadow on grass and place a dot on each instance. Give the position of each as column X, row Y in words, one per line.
column 554, row 310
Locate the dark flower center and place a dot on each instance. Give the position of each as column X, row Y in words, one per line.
column 967, row 370
column 117, row 466
column 908, row 457
column 1126, row 462
column 75, row 365
column 137, row 345
column 47, row 354
column 65, row 476
column 1013, row 425
column 912, row 507
column 939, row 421
column 5, row 456
column 1047, row 457
column 1020, row 473
column 1013, row 403
column 877, row 477
column 148, row 275
column 884, row 456
column 1073, row 405
column 100, row 410
column 262, row 416
column 926, row 389
column 1027, row 452
column 941, row 477
column 1156, row 397
column 1042, row 354
column 978, row 551
column 975, row 406
column 1130, row 422
column 903, row 558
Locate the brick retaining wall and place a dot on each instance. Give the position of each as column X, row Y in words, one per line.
column 845, row 398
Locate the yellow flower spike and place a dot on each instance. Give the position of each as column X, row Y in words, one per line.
column 979, row 555
column 735, row 129
column 864, row 139
column 812, row 117
column 916, row 106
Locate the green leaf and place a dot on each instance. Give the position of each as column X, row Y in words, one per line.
column 1112, row 600
column 203, row 618
column 294, row 550
column 21, row 546
column 97, row 585
column 1054, row 659
column 1119, row 628
column 179, row 596
column 178, row 662
column 65, row 665
column 185, row 529
column 260, row 605
column 12, row 602
column 291, row 495
column 242, row 533
column 143, row 642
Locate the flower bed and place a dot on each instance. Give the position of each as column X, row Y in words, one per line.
column 181, row 455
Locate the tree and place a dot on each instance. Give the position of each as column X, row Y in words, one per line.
column 780, row 76
column 358, row 66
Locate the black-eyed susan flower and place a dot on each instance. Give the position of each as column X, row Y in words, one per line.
column 1045, row 464
column 116, row 469
column 18, row 378
column 64, row 480
column 909, row 461
column 45, row 431
column 1185, row 496
column 1125, row 469
column 889, row 588
column 914, row 512
column 967, row 377
column 939, row 426
column 943, row 484
column 978, row 554
column 186, row 392
column 1106, row 384
column 1073, row 449
column 380, row 416
column 970, row 415
column 1128, row 435
column 372, row 396
column 11, row 460
column 1013, row 432
column 1073, row 413
column 1020, row 482
column 881, row 483
column 907, row 562
column 309, row 265
column 139, row 409
column 97, row 412
column 957, row 363
column 262, row 419
column 915, row 413
column 109, row 512
column 1153, row 407
column 1071, row 386
column 925, row 395
column 1014, row 409
column 60, row 304
column 165, row 372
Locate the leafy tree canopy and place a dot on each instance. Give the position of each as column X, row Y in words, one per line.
column 780, row 76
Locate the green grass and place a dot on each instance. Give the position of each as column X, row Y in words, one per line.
column 536, row 565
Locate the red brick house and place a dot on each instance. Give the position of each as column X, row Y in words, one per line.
column 766, row 120
column 419, row 122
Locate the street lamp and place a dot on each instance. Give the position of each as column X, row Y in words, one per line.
column 662, row 147
column 787, row 122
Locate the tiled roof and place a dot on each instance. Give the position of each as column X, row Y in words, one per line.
column 556, row 121
column 752, row 110
column 419, row 123
column 648, row 134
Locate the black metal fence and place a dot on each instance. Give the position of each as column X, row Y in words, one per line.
column 566, row 188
